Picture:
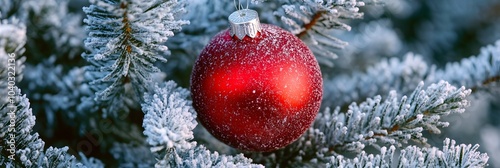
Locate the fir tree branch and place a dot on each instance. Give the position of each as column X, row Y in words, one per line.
column 199, row 156
column 392, row 121
column 169, row 118
column 53, row 29
column 402, row 75
column 307, row 151
column 389, row 74
column 308, row 26
column 126, row 39
column 384, row 159
column 12, row 41
column 487, row 83
column 169, row 122
column 452, row 155
column 313, row 21
column 12, row 36
column 304, row 16
column 490, row 81
column 19, row 147
column 55, row 92
column 374, row 122
column 475, row 72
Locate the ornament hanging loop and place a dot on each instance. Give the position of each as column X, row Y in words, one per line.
column 239, row 6
column 244, row 22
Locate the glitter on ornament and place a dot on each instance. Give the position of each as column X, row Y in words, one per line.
column 256, row 87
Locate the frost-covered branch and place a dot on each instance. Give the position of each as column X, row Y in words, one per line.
column 12, row 40
column 390, row 74
column 199, row 156
column 56, row 92
column 169, row 118
column 51, row 23
column 313, row 21
column 20, row 147
column 125, row 40
column 475, row 72
column 452, row 155
column 384, row 159
column 309, row 150
column 12, row 36
column 374, row 122
column 169, row 122
column 310, row 15
column 392, row 121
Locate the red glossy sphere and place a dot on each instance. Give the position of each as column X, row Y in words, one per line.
column 257, row 94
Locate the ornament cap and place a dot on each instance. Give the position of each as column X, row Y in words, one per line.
column 243, row 23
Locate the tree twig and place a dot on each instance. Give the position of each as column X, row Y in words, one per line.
column 313, row 22
column 486, row 82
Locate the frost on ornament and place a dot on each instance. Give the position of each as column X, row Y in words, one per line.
column 256, row 94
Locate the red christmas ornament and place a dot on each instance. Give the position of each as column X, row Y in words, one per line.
column 256, row 87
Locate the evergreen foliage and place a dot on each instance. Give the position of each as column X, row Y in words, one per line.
column 395, row 73
column 22, row 148
column 125, row 39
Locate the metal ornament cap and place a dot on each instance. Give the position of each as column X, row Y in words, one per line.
column 243, row 23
